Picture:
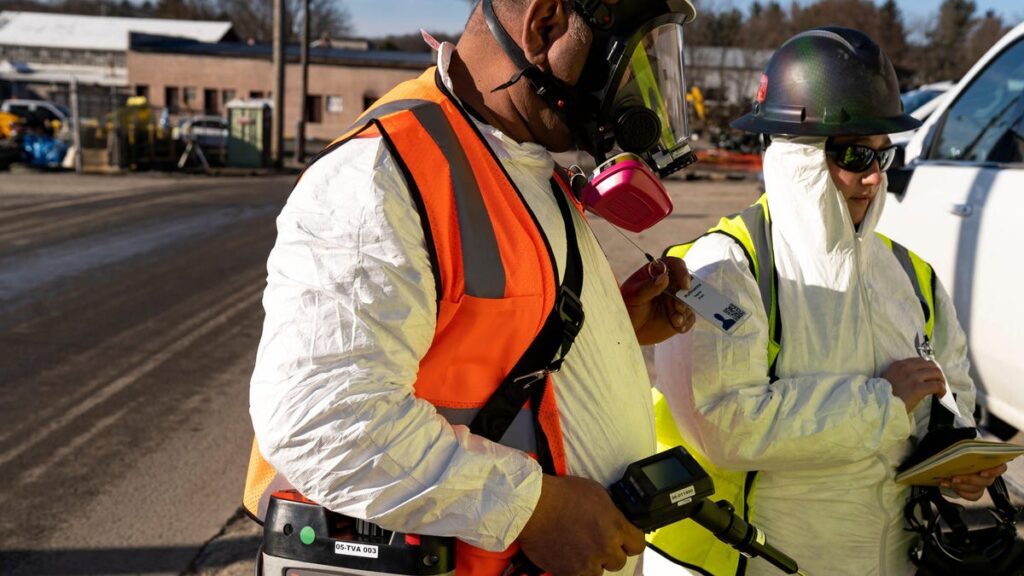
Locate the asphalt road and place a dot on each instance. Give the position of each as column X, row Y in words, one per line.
column 129, row 317
column 129, row 320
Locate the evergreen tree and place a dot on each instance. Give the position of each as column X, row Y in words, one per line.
column 948, row 39
column 892, row 35
column 766, row 28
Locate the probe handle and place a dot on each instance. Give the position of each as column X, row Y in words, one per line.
column 733, row 530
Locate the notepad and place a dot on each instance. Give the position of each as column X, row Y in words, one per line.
column 963, row 457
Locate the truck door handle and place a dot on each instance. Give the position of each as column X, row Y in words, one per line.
column 962, row 210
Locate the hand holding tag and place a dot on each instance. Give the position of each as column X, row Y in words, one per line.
column 655, row 314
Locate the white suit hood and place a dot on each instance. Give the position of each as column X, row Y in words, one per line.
column 806, row 205
column 817, row 254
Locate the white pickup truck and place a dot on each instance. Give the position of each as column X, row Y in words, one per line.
column 962, row 210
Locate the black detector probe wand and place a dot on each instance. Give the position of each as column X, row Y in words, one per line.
column 672, row 486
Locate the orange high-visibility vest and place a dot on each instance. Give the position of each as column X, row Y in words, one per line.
column 493, row 270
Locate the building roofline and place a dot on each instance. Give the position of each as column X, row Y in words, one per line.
column 155, row 44
column 102, row 33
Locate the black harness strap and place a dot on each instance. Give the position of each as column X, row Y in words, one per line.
column 527, row 381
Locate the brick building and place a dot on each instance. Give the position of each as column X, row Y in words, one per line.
column 190, row 78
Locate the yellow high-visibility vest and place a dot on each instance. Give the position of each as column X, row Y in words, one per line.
column 686, row 543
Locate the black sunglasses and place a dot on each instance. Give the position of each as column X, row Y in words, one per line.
column 858, row 158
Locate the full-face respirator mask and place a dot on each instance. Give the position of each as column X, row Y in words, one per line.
column 628, row 111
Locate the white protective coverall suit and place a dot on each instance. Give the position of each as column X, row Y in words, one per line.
column 828, row 435
column 351, row 310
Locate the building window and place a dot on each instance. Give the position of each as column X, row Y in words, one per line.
column 335, row 105
column 256, row 94
column 368, row 100
column 227, row 95
column 211, row 105
column 314, row 109
column 171, row 98
column 189, row 94
column 142, row 90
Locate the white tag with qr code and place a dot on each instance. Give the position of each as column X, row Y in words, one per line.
column 713, row 306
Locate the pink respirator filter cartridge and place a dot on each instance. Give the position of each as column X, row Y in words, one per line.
column 626, row 193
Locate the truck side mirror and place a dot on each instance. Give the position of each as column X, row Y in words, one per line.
column 899, row 174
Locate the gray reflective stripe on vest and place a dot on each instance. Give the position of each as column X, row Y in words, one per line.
column 757, row 226
column 481, row 261
column 520, row 434
column 907, row 263
column 386, row 109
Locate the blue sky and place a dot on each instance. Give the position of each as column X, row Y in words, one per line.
column 382, row 17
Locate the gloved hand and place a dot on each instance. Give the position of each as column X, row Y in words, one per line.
column 576, row 530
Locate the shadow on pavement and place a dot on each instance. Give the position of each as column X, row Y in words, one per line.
column 172, row 560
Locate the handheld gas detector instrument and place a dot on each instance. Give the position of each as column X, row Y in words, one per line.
column 671, row 486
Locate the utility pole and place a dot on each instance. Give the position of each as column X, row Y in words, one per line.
column 76, row 125
column 277, row 143
column 300, row 134
column 116, row 158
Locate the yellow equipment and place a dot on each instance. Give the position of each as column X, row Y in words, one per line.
column 696, row 98
column 7, row 120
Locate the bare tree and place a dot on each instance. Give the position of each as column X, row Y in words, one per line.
column 859, row 14
column 252, row 18
column 185, row 9
column 987, row 31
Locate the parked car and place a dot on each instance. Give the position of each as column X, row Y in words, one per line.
column 38, row 114
column 210, row 132
column 918, row 97
column 961, row 210
column 920, row 104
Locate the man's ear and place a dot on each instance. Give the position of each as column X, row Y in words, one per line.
column 544, row 22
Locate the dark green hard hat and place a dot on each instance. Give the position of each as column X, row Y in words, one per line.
column 828, row 82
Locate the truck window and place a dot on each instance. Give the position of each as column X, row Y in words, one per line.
column 986, row 123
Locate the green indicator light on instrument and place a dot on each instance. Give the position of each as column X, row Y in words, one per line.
column 307, row 535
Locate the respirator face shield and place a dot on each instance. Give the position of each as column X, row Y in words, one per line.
column 632, row 91
column 628, row 110
column 638, row 131
column 646, row 110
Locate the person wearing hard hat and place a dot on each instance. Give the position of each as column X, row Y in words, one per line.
column 446, row 350
column 803, row 413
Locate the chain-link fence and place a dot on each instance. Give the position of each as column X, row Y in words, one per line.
column 102, row 129
column 118, row 131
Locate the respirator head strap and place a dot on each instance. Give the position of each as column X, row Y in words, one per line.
column 597, row 13
column 550, row 89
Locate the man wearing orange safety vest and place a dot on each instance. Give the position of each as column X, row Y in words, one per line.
column 433, row 265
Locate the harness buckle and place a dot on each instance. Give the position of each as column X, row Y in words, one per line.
column 570, row 310
column 533, row 377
